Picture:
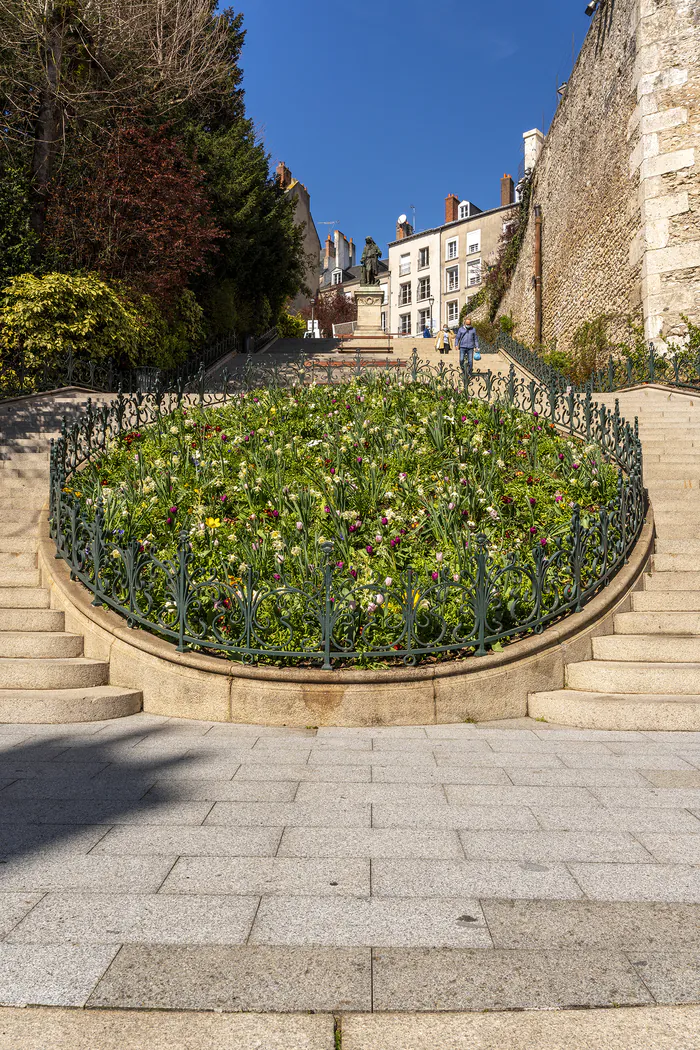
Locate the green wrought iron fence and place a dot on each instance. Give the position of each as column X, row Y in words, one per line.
column 678, row 368
column 25, row 375
column 331, row 621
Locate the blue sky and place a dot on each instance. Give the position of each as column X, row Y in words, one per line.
column 377, row 105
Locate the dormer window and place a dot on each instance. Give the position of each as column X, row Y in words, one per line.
column 337, row 277
column 464, row 210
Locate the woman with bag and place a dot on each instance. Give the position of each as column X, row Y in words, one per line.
column 444, row 340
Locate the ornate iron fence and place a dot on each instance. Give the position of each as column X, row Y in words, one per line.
column 331, row 621
column 24, row 375
column 680, row 368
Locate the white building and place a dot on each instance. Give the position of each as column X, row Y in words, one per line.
column 414, row 290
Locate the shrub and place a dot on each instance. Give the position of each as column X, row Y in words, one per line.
column 44, row 318
column 290, row 326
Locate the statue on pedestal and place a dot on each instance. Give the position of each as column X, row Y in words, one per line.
column 369, row 263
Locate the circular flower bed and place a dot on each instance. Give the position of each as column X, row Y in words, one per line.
column 391, row 487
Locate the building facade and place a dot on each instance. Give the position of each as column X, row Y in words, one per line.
column 312, row 244
column 433, row 273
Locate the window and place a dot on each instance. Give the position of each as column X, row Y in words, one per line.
column 423, row 258
column 452, row 278
column 452, row 311
column 405, row 294
column 464, row 211
column 383, row 320
column 424, row 288
column 423, row 320
column 474, row 272
column 451, row 249
column 337, row 277
column 404, row 324
column 474, row 242
column 404, row 265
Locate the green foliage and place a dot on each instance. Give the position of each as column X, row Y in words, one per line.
column 17, row 240
column 261, row 262
column 290, row 326
column 47, row 317
column 507, row 324
column 499, row 277
column 472, row 304
column 43, row 319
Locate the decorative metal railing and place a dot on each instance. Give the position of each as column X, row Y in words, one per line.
column 27, row 375
column 331, row 621
column 679, row 368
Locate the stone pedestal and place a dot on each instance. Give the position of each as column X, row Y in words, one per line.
column 368, row 336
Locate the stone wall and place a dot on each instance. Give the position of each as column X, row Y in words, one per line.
column 618, row 180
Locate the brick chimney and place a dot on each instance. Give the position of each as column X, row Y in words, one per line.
column 403, row 230
column 451, row 208
column 284, row 175
column 507, row 190
column 328, row 252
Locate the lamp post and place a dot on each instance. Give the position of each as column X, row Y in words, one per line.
column 431, row 300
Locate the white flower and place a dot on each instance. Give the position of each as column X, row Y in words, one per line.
column 243, row 567
column 388, row 581
column 296, row 551
column 174, row 430
column 439, row 556
column 300, row 526
column 116, row 553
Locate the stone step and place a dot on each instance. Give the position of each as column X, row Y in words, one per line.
column 669, row 545
column 26, row 543
column 659, row 621
column 673, row 460
column 641, row 712
column 676, row 488
column 57, row 706
column 12, row 530
column 32, row 620
column 665, row 601
column 24, row 598
column 17, row 561
column 40, row 645
column 622, row 676
column 53, row 673
column 676, row 512
column 674, row 562
column 663, row 647
column 672, row 474
column 672, row 581
column 19, row 578
column 22, row 515
column 670, row 530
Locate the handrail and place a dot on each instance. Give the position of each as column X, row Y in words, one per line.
column 498, row 598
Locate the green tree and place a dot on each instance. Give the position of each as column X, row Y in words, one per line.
column 260, row 264
column 17, row 240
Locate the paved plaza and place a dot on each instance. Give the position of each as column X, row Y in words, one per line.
column 154, row 863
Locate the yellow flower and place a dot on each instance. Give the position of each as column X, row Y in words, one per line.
column 213, row 523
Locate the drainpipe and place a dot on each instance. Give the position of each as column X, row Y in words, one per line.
column 537, row 279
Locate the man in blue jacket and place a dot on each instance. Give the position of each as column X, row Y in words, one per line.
column 467, row 341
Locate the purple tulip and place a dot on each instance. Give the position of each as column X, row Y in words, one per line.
column 435, row 575
column 385, row 521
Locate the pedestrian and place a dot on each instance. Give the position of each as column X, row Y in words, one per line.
column 444, row 340
column 426, row 332
column 467, row 341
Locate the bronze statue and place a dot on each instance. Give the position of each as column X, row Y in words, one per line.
column 369, row 263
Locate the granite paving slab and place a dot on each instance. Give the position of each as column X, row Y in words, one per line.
column 672, row 849
column 568, row 818
column 61, row 1029
column 400, row 815
column 270, row 875
column 337, row 921
column 450, row 878
column 302, row 772
column 638, row 882
column 13, row 908
column 670, row 976
column 248, row 978
column 57, row 975
column 369, row 842
column 615, row 926
column 209, row 841
column 331, row 814
column 453, row 979
column 46, row 871
column 552, row 847
column 98, row 918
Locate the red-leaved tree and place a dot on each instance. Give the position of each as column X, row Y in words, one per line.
column 332, row 307
column 139, row 213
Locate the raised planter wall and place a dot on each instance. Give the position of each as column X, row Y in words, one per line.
column 193, row 685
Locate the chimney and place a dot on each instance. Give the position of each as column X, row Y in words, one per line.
column 403, row 230
column 351, row 249
column 451, row 208
column 328, row 252
column 533, row 142
column 284, row 175
column 507, row 190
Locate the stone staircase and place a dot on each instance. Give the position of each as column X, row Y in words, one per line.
column 44, row 676
column 646, row 675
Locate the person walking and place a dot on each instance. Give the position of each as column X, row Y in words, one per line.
column 444, row 340
column 467, row 342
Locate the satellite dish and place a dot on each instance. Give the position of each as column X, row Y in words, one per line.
column 402, row 219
